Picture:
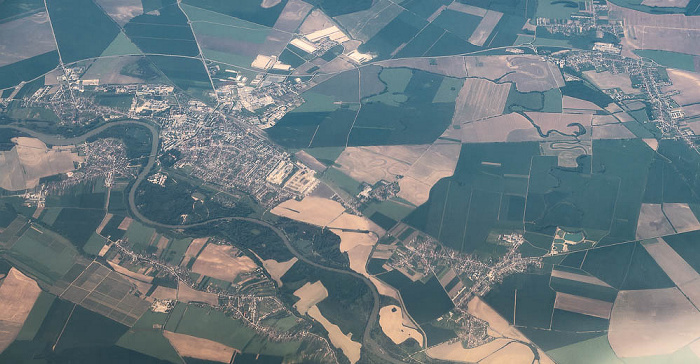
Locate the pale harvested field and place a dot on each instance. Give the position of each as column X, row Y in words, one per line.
column 652, row 223
column 25, row 38
column 121, row 270
column 512, row 353
column 309, row 295
column 606, row 80
column 437, row 162
column 359, row 254
column 528, row 72
column 455, row 290
column 652, row 143
column 372, row 164
column 385, row 289
column 467, row 9
column 164, row 293
column 107, row 70
column 692, row 291
column 682, row 217
column 695, row 348
column 140, row 285
column 391, row 322
column 187, row 294
column 666, row 3
column 17, row 296
column 337, row 65
column 292, row 15
column 310, row 161
column 680, row 272
column 437, row 13
column 364, row 24
column 692, row 110
column 688, row 83
column 448, row 277
column 551, row 122
column 324, row 212
column 350, row 240
column 600, row 120
column 222, row 262
column 162, row 244
column 652, row 322
column 278, row 269
column 485, row 27
column 567, row 152
column 104, row 222
column 266, row 4
column 350, row 348
column 317, row 20
column 354, row 222
column 454, row 351
column 673, row 264
column 622, row 116
column 695, row 127
column 194, row 249
column 121, row 10
column 498, row 326
column 198, row 348
column 498, row 129
column 384, row 251
column 480, row 309
column 452, row 66
column 569, row 102
column 583, row 305
column 612, row 131
column 578, row 277
column 479, row 99
column 124, row 225
column 311, row 210
column 29, row 160
column 653, row 31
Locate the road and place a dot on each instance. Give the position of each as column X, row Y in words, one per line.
column 57, row 140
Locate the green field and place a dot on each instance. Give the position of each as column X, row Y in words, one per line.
column 165, row 32
column 94, row 244
column 77, row 225
column 459, row 23
column 535, row 300
column 176, row 250
column 214, row 325
column 81, row 28
column 669, row 59
column 139, row 235
column 249, row 10
column 36, row 316
column 556, row 9
column 27, row 69
column 149, row 342
column 609, row 263
column 400, row 30
column 121, row 45
column 424, row 301
column 463, row 209
column 50, row 215
column 44, row 253
column 398, row 114
column 644, row 272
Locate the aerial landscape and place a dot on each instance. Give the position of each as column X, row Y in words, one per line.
column 350, row 181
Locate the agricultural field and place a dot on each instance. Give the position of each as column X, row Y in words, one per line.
column 489, row 181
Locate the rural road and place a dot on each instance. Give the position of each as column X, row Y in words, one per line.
column 57, row 140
